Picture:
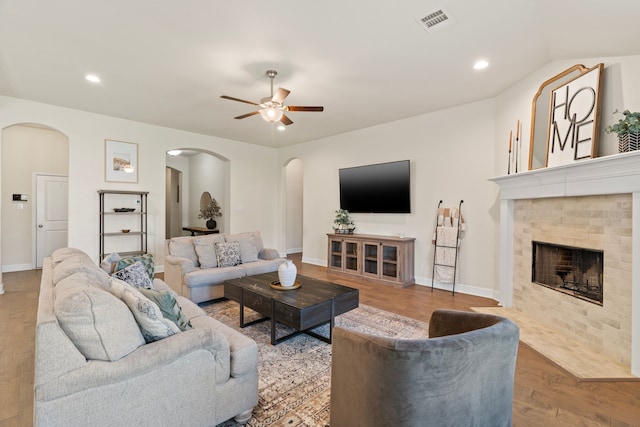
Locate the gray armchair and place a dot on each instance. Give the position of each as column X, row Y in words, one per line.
column 462, row 375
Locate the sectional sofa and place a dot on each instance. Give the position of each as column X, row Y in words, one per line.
column 104, row 356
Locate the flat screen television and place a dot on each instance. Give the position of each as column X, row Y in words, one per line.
column 379, row 188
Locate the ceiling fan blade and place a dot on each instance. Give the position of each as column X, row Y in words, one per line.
column 244, row 116
column 286, row 120
column 238, row 99
column 280, row 95
column 299, row 108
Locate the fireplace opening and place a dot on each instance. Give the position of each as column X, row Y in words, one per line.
column 567, row 269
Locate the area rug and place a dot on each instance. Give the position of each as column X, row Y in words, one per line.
column 295, row 376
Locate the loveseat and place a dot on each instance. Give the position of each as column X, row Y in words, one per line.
column 98, row 362
column 196, row 266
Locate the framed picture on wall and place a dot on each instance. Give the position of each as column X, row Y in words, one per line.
column 574, row 119
column 120, row 161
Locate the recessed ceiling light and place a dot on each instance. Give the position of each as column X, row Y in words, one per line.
column 281, row 128
column 480, row 65
column 92, row 78
column 174, row 152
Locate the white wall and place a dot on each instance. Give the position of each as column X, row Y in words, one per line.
column 451, row 154
column 252, row 170
column 294, row 205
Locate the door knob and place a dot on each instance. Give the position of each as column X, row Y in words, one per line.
column 40, row 226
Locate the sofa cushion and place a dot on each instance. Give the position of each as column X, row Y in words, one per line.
column 228, row 253
column 169, row 307
column 212, row 276
column 257, row 238
column 248, row 249
column 206, row 251
column 152, row 323
column 183, row 247
column 262, row 266
column 98, row 324
column 146, row 260
column 77, row 264
column 136, row 275
column 61, row 254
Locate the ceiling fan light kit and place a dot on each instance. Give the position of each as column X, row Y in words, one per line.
column 272, row 108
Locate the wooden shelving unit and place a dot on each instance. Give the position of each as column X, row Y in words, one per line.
column 383, row 259
column 112, row 223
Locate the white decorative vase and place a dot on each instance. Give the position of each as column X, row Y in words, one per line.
column 287, row 273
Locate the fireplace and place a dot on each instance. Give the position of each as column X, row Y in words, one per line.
column 593, row 203
column 574, row 271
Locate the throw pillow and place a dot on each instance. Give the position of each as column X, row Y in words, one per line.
column 168, row 306
column 228, row 253
column 183, row 247
column 146, row 260
column 248, row 249
column 152, row 324
column 206, row 251
column 108, row 264
column 136, row 275
column 98, row 324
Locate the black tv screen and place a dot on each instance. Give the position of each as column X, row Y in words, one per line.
column 379, row 188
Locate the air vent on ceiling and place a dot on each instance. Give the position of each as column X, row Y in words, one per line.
column 436, row 21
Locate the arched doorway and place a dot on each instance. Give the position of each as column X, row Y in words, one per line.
column 35, row 162
column 190, row 173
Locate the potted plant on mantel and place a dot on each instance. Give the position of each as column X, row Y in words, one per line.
column 628, row 131
column 343, row 223
column 211, row 211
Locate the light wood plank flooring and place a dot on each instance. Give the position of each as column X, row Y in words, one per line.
column 545, row 395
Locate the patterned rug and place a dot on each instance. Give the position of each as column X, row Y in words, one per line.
column 295, row 375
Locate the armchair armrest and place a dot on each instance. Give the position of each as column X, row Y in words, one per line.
column 269, row 254
column 143, row 360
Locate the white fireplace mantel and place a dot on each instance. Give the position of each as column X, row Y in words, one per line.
column 615, row 174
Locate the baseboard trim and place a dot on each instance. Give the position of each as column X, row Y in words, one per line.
column 17, row 267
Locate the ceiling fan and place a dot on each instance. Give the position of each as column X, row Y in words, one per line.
column 272, row 108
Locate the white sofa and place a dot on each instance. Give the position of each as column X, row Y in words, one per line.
column 191, row 266
column 94, row 367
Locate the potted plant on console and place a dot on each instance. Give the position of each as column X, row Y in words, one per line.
column 628, row 131
column 342, row 222
column 210, row 212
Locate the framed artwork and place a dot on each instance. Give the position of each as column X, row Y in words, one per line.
column 120, row 161
column 574, row 118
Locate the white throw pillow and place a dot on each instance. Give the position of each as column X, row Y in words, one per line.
column 152, row 324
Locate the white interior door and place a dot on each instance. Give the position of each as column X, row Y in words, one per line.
column 52, row 215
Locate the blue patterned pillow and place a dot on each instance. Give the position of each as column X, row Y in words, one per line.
column 228, row 254
column 146, row 260
column 135, row 275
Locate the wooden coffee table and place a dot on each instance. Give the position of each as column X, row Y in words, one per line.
column 313, row 304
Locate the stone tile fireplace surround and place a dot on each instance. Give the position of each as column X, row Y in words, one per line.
column 593, row 204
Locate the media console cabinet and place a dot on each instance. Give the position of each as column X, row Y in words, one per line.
column 382, row 259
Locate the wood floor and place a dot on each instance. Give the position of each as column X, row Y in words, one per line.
column 544, row 394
